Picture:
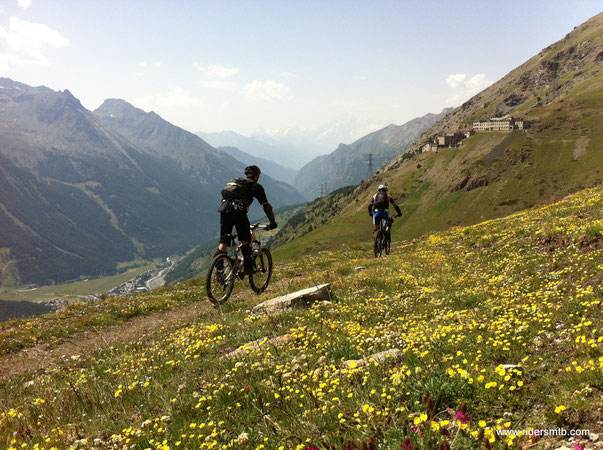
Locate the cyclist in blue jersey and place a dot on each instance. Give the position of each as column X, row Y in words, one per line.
column 378, row 208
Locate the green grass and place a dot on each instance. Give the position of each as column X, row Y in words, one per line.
column 459, row 304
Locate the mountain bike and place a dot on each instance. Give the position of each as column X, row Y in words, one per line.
column 225, row 269
column 383, row 237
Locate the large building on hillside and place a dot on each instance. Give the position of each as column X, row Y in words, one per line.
column 500, row 124
column 452, row 140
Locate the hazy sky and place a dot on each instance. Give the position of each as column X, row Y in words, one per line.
column 272, row 65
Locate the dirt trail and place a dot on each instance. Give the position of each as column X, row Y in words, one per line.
column 39, row 358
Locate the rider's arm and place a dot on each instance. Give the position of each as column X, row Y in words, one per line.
column 259, row 193
column 268, row 210
column 395, row 206
column 370, row 206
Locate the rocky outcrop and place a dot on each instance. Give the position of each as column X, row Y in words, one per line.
column 478, row 182
column 460, row 185
column 393, row 355
column 261, row 345
column 299, row 299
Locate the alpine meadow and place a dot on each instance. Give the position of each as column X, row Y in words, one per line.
column 482, row 329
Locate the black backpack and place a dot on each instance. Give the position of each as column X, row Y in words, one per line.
column 236, row 189
column 381, row 200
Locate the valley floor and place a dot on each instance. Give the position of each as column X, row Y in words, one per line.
column 499, row 326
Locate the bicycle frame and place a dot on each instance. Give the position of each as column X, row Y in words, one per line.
column 225, row 269
column 236, row 248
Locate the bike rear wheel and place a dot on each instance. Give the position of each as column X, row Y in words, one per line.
column 262, row 262
column 220, row 279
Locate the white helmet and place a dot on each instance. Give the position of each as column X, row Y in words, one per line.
column 383, row 187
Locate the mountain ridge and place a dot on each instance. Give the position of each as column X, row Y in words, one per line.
column 93, row 197
column 347, row 163
column 577, row 57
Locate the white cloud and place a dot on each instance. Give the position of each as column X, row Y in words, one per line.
column 266, row 90
column 218, row 76
column 478, row 81
column 177, row 97
column 218, row 71
column 23, row 42
column 455, row 80
column 466, row 88
column 218, row 84
column 24, row 3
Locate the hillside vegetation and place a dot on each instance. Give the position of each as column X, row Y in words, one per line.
column 317, row 213
column 499, row 325
column 493, row 174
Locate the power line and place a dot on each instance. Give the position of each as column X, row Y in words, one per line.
column 369, row 162
column 324, row 189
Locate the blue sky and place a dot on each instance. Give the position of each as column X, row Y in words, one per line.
column 277, row 65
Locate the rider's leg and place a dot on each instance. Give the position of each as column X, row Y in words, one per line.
column 225, row 230
column 247, row 257
column 375, row 223
column 242, row 224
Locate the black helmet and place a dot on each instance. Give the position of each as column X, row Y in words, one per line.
column 383, row 187
column 252, row 171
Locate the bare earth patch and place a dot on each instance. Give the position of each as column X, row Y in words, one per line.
column 580, row 149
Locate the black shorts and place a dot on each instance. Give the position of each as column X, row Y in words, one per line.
column 237, row 219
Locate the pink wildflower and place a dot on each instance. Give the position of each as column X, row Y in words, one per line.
column 462, row 415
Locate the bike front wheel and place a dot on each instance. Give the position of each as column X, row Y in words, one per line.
column 378, row 246
column 262, row 263
column 388, row 242
column 220, row 279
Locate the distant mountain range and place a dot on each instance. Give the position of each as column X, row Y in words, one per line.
column 348, row 163
column 292, row 147
column 277, row 152
column 267, row 166
column 83, row 191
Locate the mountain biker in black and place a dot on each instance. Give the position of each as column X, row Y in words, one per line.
column 378, row 208
column 233, row 212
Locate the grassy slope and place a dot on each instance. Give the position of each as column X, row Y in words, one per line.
column 522, row 169
column 521, row 290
